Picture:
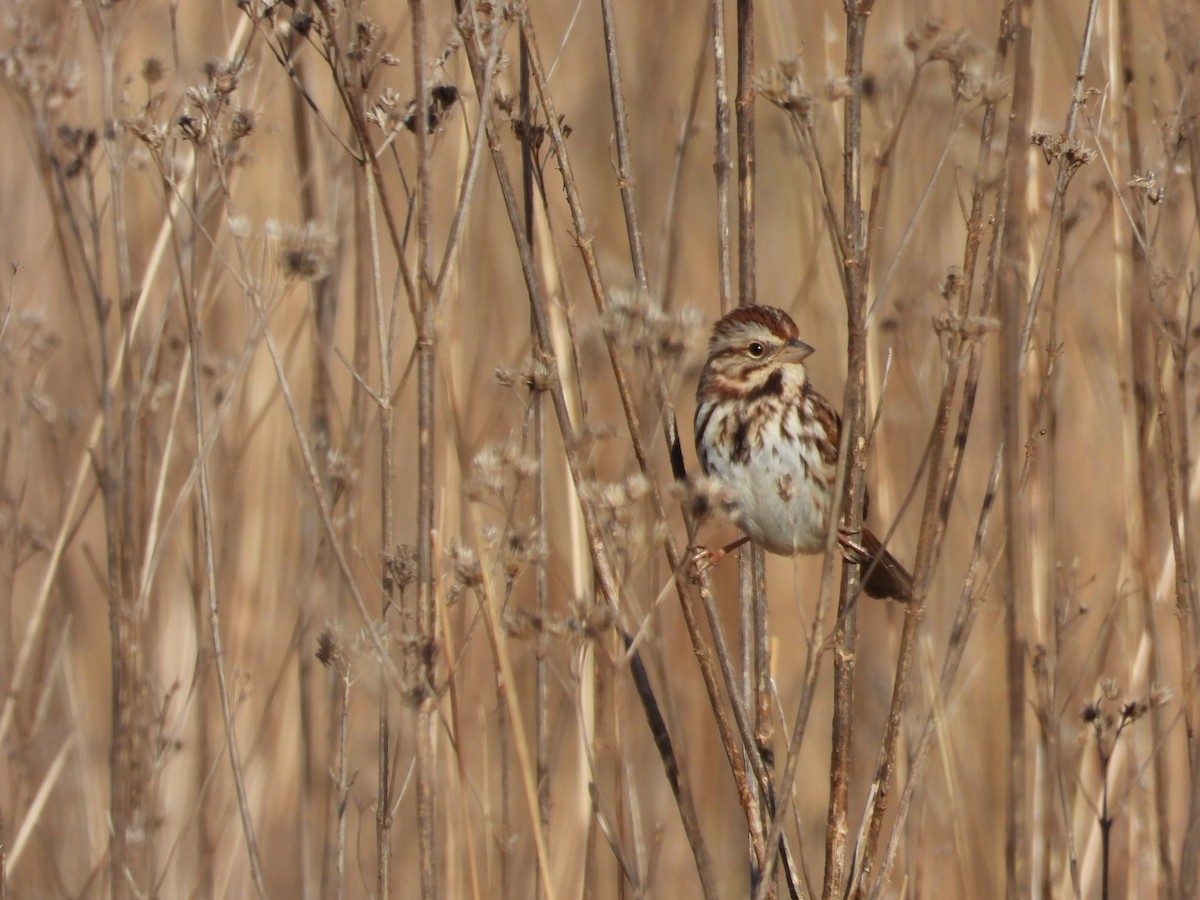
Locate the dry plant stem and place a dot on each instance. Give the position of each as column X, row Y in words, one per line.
column 625, row 179
column 343, row 788
column 751, row 736
column 752, row 584
column 365, row 290
column 668, row 255
column 117, row 470
column 1011, row 298
column 745, row 150
column 314, row 483
column 1066, row 169
column 738, row 754
column 883, row 164
column 541, row 509
column 787, row 780
column 454, row 720
column 584, row 242
column 540, row 504
column 1182, row 26
column 970, row 599
column 1147, row 475
column 626, row 183
column 425, row 612
column 371, row 293
column 324, row 318
column 1175, row 491
column 511, row 699
column 853, row 406
column 599, row 555
column 806, row 132
column 97, row 436
column 722, row 165
column 942, row 482
column 352, row 95
column 132, row 800
column 466, row 192
column 1014, row 343
column 210, row 577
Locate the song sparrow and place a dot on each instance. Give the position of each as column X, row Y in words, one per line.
column 767, row 436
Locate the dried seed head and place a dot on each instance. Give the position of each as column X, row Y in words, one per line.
column 153, row 70
column 238, row 226
column 241, row 123
column 1148, row 186
column 301, row 23
column 487, row 474
column 442, row 98
column 632, row 319
column 329, row 651
column 523, row 545
column 306, row 253
column 590, row 620
column 1072, row 153
column 192, row 128
column 401, row 565
column 784, row 86
column 954, row 48
column 953, row 284
column 920, row 36
column 465, row 562
column 703, row 497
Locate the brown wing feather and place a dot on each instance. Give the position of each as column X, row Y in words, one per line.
column 885, row 576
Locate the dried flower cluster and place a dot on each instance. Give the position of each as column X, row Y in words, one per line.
column 498, row 472
column 305, row 253
column 1071, row 152
column 783, row 85
column 674, row 339
column 624, row 514
column 1109, row 715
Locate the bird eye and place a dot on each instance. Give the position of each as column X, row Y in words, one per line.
column 756, row 349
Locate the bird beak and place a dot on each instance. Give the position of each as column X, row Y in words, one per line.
column 794, row 352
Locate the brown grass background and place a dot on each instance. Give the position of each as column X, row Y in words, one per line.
column 1099, row 607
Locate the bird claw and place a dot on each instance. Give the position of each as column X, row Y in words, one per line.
column 852, row 550
column 703, row 560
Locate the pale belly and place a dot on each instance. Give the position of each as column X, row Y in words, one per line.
column 777, row 507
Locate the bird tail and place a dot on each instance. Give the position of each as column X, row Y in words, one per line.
column 883, row 575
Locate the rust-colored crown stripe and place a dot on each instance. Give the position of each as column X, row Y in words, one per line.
column 775, row 320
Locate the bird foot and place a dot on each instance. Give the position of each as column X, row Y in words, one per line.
column 703, row 561
column 850, row 543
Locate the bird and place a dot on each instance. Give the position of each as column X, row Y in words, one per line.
column 766, row 435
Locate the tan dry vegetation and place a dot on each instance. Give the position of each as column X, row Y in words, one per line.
column 187, row 177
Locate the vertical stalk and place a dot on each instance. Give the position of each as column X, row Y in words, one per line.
column 853, row 407
column 426, row 613
column 324, row 297
column 625, row 176
column 1010, row 299
column 721, row 163
column 538, row 426
column 120, row 468
column 1183, row 30
column 1139, row 509
column 745, row 146
column 752, row 585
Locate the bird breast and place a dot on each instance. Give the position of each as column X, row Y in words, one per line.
column 769, row 458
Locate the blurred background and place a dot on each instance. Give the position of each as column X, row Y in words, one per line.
column 213, row 396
